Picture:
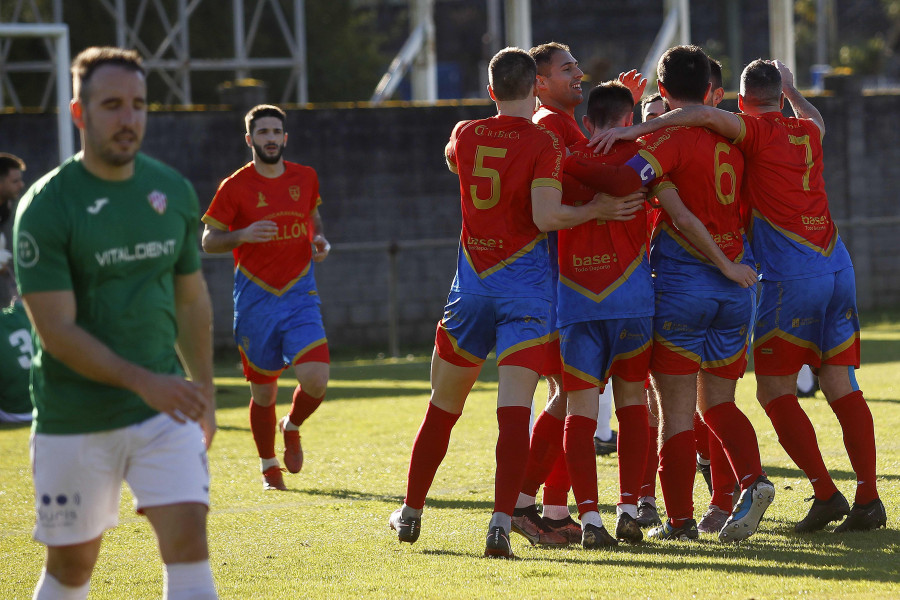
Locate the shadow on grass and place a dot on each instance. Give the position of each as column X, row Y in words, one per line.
column 837, row 474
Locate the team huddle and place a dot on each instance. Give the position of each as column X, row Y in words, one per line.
column 680, row 240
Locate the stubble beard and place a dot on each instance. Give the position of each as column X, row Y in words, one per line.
column 263, row 157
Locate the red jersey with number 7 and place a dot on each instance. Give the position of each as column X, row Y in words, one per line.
column 499, row 161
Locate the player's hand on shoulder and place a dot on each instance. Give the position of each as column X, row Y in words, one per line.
column 612, row 208
column 261, row 231
column 321, row 248
column 602, row 141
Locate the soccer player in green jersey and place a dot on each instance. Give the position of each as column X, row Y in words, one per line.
column 15, row 362
column 107, row 260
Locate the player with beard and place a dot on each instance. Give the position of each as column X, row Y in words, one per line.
column 266, row 214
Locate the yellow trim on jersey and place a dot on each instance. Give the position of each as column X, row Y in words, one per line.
column 723, row 362
column 466, row 355
column 505, row 262
column 840, row 348
column 546, row 182
column 318, row 202
column 259, row 370
column 743, row 133
column 663, row 185
column 611, row 287
column 657, row 168
column 554, row 335
column 307, row 348
column 214, row 223
column 268, row 287
column 522, row 345
column 658, row 339
column 793, row 339
column 799, row 239
column 582, row 375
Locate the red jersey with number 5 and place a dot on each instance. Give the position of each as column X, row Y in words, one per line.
column 499, row 161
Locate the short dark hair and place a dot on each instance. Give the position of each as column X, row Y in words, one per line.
column 512, row 73
column 761, row 83
column 684, row 72
column 543, row 55
column 608, row 103
column 260, row 111
column 648, row 99
column 91, row 59
column 8, row 162
column 715, row 74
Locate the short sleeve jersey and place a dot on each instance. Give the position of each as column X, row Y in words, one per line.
column 15, row 359
column 279, row 268
column 793, row 235
column 603, row 267
column 499, row 161
column 117, row 246
column 706, row 169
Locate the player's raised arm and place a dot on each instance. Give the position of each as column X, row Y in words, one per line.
column 722, row 122
column 693, row 229
column 802, row 107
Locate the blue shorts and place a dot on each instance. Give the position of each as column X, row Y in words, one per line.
column 807, row 322
column 474, row 325
column 594, row 350
column 702, row 329
column 271, row 341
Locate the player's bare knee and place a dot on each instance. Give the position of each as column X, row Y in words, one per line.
column 70, row 568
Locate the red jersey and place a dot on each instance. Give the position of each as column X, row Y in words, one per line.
column 564, row 126
column 499, row 160
column 290, row 200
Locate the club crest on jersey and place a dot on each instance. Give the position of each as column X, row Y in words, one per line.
column 261, row 200
column 294, row 191
column 157, row 200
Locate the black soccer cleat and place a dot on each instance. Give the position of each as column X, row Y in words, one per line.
column 497, row 544
column 687, row 532
column 407, row 529
column 823, row 512
column 593, row 537
column 864, row 517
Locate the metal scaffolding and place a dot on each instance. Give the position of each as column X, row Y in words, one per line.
column 173, row 59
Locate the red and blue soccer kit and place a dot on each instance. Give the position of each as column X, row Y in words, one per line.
column 807, row 308
column 501, row 293
column 277, row 321
column 567, row 130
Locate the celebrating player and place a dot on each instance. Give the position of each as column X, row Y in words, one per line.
column 109, row 270
column 509, row 171
column 266, row 214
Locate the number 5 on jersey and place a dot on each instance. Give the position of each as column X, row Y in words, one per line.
column 482, row 171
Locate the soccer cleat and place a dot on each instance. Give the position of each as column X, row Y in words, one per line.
column 687, row 532
column 713, row 520
column 567, row 527
column 628, row 529
column 497, row 545
column 864, row 517
column 707, row 474
column 407, row 530
column 604, row 447
column 647, row 515
column 593, row 537
column 748, row 512
column 823, row 512
column 273, row 479
column 293, row 451
column 529, row 524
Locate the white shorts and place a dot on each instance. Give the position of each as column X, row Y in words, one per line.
column 6, row 417
column 78, row 478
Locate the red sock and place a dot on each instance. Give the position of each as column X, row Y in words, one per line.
column 512, row 446
column 632, row 451
column 262, row 426
column 855, row 418
column 677, row 465
column 798, row 438
column 428, row 451
column 723, row 478
column 701, row 437
column 648, row 487
column 546, row 447
column 738, row 438
column 581, row 459
column 556, row 488
column 302, row 406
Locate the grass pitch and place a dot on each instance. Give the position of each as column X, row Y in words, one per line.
column 327, row 537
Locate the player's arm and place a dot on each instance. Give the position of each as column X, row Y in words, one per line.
column 694, row 230
column 550, row 214
column 193, row 316
column 613, row 180
column 802, row 107
column 724, row 123
column 217, row 240
column 53, row 316
column 321, row 247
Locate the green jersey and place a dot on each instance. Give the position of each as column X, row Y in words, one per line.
column 15, row 360
column 117, row 245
